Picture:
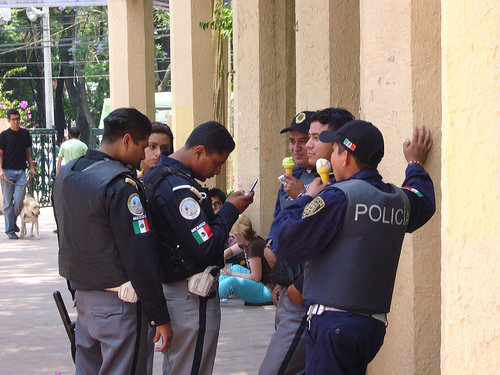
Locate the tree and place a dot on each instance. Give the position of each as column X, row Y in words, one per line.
column 80, row 57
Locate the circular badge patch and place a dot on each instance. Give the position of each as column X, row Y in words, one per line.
column 300, row 117
column 134, row 205
column 189, row 209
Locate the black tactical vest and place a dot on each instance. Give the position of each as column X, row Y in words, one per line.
column 356, row 272
column 88, row 255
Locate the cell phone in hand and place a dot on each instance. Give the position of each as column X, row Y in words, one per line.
column 253, row 185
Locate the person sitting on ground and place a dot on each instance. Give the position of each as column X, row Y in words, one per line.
column 71, row 149
column 252, row 284
column 160, row 140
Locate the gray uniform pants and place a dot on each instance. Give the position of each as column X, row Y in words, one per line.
column 106, row 334
column 286, row 353
column 196, row 322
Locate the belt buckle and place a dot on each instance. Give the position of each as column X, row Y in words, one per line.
column 315, row 309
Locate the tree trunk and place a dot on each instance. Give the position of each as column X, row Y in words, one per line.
column 76, row 85
column 59, row 115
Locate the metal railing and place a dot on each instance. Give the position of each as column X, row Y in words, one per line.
column 45, row 152
column 44, row 155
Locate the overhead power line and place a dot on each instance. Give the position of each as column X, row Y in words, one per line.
column 40, row 40
column 76, row 75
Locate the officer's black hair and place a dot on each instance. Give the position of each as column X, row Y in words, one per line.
column 358, row 162
column 218, row 193
column 126, row 121
column 213, row 136
column 11, row 112
column 74, row 132
column 333, row 117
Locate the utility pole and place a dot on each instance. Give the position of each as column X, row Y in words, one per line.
column 47, row 71
column 33, row 13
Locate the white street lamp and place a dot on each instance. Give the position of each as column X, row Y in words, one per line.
column 33, row 13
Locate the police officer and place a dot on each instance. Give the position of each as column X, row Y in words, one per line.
column 192, row 238
column 350, row 235
column 286, row 353
column 107, row 252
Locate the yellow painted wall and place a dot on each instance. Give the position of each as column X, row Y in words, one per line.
column 131, row 54
column 259, row 106
column 471, row 187
column 327, row 34
column 400, row 88
column 192, row 64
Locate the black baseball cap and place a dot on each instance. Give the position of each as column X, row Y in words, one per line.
column 300, row 122
column 360, row 138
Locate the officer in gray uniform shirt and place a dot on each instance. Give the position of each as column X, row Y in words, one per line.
column 108, row 253
column 192, row 237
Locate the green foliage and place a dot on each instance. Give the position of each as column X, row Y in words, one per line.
column 13, row 90
column 86, row 52
column 6, row 102
column 223, row 21
column 80, row 55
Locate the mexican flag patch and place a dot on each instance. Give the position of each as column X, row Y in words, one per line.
column 141, row 226
column 413, row 190
column 202, row 234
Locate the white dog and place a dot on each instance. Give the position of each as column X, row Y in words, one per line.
column 29, row 214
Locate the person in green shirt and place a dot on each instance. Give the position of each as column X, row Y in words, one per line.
column 71, row 149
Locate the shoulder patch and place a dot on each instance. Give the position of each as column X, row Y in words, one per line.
column 413, row 190
column 313, row 207
column 134, row 205
column 189, row 209
column 202, row 233
column 131, row 182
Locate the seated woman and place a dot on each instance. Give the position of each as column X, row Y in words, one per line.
column 160, row 140
column 252, row 284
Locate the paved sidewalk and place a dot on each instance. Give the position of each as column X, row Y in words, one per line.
column 33, row 340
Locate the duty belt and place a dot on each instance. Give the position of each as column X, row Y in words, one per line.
column 317, row 309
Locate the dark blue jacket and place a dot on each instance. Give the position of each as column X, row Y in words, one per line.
column 303, row 238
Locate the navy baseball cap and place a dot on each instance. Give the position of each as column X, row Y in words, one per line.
column 360, row 138
column 300, row 122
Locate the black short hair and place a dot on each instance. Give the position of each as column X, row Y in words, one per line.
column 160, row 127
column 334, row 117
column 213, row 136
column 218, row 193
column 11, row 112
column 74, row 132
column 126, row 121
column 359, row 163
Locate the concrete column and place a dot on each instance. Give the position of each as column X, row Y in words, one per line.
column 470, row 233
column 260, row 112
column 400, row 88
column 327, row 54
column 131, row 55
column 192, row 67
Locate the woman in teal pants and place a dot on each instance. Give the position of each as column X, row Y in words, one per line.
column 252, row 284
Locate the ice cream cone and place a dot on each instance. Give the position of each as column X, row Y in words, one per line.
column 289, row 164
column 324, row 174
column 323, row 168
